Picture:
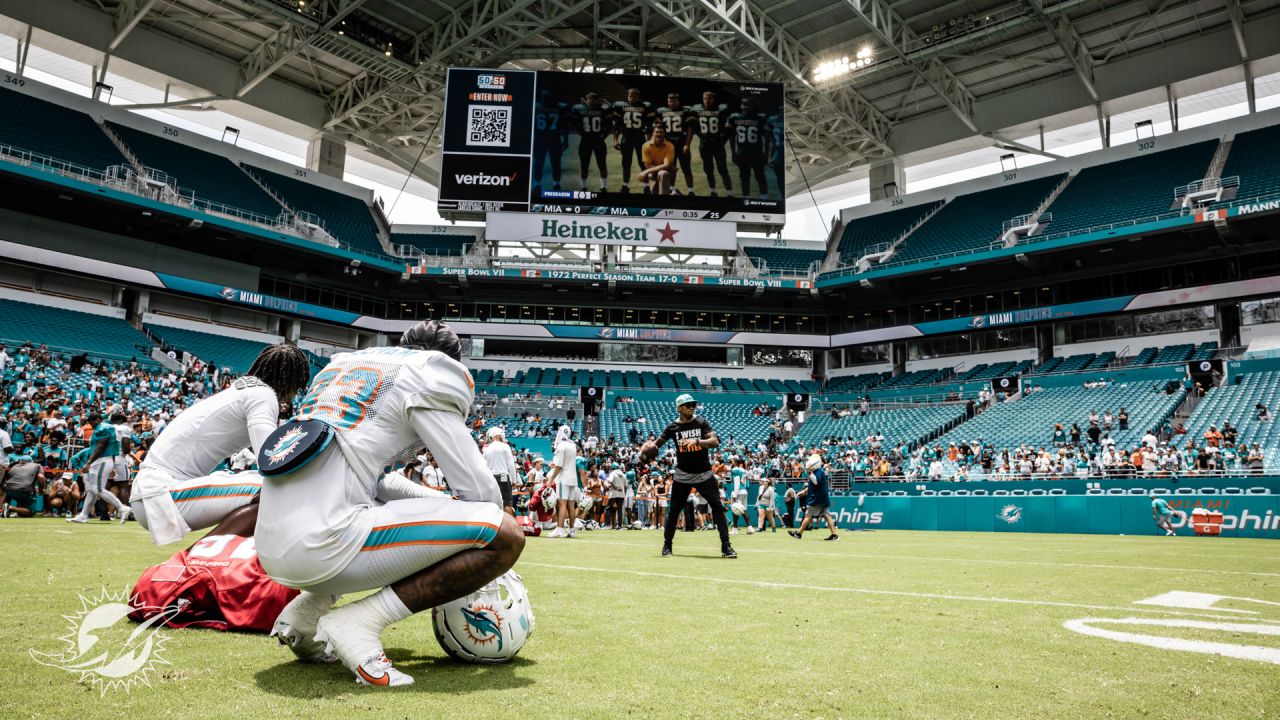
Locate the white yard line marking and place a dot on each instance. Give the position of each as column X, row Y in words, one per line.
column 1201, row 601
column 768, row 585
column 988, row 561
column 1084, row 626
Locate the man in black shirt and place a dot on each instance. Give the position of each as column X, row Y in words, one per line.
column 693, row 436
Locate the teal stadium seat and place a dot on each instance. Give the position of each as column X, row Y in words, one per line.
column 1204, row 351
column 1145, row 356
column 346, row 218
column 1173, row 354
column 909, row 425
column 221, row 350
column 1235, row 403
column 729, row 419
column 28, row 123
column 972, row 222
column 917, row 378
column 1128, row 189
column 1102, row 360
column 1252, row 159
column 213, row 178
column 788, row 261
column 318, row 362
column 613, row 379
column 885, row 227
column 1030, row 420
column 1072, row 363
column 432, row 244
column 855, row 383
column 72, row 331
column 516, row 427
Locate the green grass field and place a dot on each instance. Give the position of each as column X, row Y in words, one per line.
column 878, row 625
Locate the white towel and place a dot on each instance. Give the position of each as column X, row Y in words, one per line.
column 163, row 521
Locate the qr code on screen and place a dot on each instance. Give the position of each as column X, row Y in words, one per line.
column 489, row 125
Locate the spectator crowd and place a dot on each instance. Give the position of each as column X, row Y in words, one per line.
column 46, row 402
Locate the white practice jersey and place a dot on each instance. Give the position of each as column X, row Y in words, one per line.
column 566, row 458
column 497, row 455
column 123, row 432
column 366, row 397
column 384, row 405
column 205, row 434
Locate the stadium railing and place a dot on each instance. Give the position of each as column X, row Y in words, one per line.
column 47, row 163
column 143, row 357
column 1205, row 191
column 126, row 179
column 844, row 270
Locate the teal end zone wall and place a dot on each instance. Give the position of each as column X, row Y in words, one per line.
column 1240, row 367
column 539, row 446
column 1251, row 516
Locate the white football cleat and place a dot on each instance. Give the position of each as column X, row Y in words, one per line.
column 358, row 644
column 376, row 671
column 125, row 513
column 296, row 627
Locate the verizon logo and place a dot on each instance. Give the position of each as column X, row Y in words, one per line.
column 484, row 179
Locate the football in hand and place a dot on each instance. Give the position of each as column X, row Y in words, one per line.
column 648, row 452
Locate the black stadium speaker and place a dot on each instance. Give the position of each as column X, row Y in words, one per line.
column 798, row 401
column 1008, row 384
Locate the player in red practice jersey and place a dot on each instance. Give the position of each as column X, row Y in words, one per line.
column 216, row 583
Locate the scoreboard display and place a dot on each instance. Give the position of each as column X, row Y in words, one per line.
column 580, row 143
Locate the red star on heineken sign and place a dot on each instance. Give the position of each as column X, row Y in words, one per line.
column 668, row 234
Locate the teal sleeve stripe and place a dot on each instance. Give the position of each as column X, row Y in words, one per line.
column 436, row 533
column 202, row 493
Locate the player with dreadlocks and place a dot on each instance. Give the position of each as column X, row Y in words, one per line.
column 332, row 523
column 176, row 490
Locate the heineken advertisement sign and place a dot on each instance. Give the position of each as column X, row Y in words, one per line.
column 612, row 230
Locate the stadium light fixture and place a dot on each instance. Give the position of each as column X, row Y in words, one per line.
column 838, row 67
column 233, row 132
column 1008, row 162
column 1144, row 125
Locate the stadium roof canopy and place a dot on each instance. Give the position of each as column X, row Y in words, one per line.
column 964, row 73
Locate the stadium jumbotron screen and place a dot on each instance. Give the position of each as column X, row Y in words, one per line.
column 637, row 145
